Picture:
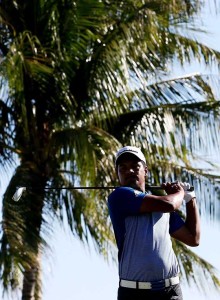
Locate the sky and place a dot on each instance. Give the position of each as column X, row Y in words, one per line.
column 72, row 271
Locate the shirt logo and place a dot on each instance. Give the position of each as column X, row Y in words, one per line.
column 136, row 192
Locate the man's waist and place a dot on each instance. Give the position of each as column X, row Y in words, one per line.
column 149, row 285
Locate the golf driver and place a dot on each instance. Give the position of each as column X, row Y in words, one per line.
column 20, row 190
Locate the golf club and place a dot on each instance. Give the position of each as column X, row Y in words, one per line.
column 20, row 190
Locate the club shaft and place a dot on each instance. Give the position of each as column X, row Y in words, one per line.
column 150, row 187
column 20, row 190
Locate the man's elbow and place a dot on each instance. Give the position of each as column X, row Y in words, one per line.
column 170, row 207
column 194, row 242
column 173, row 206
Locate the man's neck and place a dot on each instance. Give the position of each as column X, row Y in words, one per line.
column 139, row 188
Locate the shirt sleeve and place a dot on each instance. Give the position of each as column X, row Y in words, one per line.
column 125, row 200
column 176, row 222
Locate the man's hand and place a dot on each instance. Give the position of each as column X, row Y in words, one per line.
column 171, row 187
column 164, row 203
column 188, row 195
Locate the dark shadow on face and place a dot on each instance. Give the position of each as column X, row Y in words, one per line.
column 131, row 171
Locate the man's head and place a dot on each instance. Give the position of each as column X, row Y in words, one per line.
column 131, row 167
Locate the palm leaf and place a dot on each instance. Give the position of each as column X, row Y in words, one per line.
column 18, row 251
column 194, row 267
column 75, row 72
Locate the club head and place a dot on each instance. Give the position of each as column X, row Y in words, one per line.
column 17, row 195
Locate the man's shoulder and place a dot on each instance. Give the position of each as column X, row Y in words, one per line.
column 124, row 202
column 126, row 191
column 125, row 199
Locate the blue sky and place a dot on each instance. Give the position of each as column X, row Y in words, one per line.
column 71, row 271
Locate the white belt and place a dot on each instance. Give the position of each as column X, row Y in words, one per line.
column 145, row 285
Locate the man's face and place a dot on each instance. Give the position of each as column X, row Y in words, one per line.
column 131, row 172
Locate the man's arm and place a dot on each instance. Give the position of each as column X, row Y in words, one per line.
column 189, row 234
column 165, row 203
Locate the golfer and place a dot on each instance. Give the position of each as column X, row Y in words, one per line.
column 143, row 225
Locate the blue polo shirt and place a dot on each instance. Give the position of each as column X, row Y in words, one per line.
column 143, row 240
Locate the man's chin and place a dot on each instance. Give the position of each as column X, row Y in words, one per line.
column 134, row 185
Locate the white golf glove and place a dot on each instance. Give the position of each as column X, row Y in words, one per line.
column 188, row 195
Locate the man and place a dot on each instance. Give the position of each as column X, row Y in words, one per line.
column 143, row 224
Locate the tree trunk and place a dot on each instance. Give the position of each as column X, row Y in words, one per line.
column 31, row 283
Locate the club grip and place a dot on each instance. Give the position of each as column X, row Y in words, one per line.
column 191, row 189
column 158, row 187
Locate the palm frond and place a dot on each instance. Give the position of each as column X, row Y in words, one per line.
column 86, row 147
column 195, row 268
column 86, row 213
column 20, row 242
column 83, row 78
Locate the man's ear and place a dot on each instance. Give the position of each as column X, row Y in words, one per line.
column 116, row 172
column 146, row 171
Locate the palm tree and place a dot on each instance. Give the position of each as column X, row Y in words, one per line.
column 78, row 80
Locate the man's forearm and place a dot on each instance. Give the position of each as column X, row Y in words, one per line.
column 193, row 220
column 166, row 203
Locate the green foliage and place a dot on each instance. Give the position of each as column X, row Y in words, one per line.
column 78, row 79
column 192, row 266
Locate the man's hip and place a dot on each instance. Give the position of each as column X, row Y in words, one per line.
column 172, row 292
column 167, row 289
